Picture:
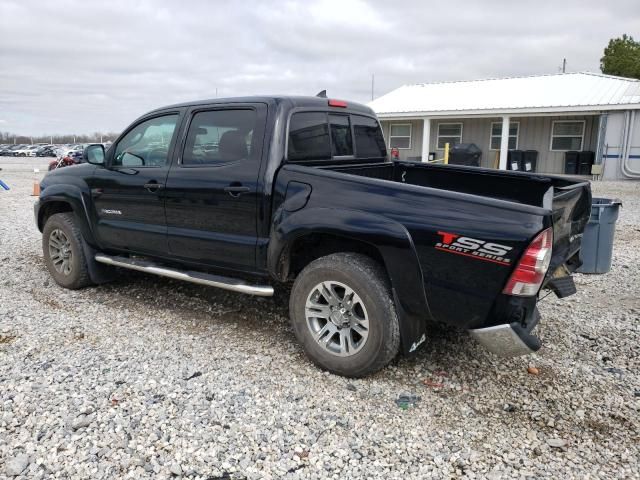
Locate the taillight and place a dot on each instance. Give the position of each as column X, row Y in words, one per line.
column 527, row 278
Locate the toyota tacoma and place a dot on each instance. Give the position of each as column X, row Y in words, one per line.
column 248, row 193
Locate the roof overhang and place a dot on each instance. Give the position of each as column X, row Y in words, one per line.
column 519, row 112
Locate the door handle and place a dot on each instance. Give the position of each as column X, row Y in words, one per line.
column 153, row 186
column 235, row 190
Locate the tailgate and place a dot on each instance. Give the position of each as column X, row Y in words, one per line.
column 571, row 207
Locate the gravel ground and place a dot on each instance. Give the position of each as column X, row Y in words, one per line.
column 151, row 378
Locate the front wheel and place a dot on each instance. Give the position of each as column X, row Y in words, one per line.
column 343, row 314
column 63, row 253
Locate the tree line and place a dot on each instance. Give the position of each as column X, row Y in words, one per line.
column 96, row 137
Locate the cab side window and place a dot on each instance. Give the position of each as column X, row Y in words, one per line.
column 147, row 144
column 309, row 137
column 219, row 136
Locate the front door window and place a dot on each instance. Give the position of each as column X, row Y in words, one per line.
column 147, row 144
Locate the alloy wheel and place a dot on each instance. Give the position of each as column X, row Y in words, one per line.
column 60, row 252
column 337, row 318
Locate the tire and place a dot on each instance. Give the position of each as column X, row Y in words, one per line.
column 340, row 341
column 63, row 252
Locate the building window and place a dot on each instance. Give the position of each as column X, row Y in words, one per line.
column 450, row 133
column 496, row 135
column 567, row 135
column 400, row 136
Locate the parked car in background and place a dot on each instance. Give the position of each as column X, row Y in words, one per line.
column 26, row 151
column 46, row 151
column 6, row 150
column 66, row 150
column 11, row 151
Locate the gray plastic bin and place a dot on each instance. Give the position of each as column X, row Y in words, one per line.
column 597, row 242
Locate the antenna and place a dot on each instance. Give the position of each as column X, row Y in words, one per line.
column 373, row 76
column 322, row 94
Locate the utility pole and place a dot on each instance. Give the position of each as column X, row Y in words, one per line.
column 373, row 76
column 564, row 65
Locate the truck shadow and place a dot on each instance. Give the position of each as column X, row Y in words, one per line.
column 199, row 308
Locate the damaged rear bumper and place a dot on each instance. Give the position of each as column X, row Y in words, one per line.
column 509, row 339
column 514, row 338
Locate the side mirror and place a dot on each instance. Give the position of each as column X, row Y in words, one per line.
column 94, row 154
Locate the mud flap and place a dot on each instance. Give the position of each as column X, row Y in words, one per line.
column 98, row 273
column 562, row 286
column 413, row 329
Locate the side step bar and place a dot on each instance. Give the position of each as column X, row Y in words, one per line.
column 200, row 278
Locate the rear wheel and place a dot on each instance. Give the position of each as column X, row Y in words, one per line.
column 342, row 313
column 63, row 253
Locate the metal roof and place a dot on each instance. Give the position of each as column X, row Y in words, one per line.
column 563, row 92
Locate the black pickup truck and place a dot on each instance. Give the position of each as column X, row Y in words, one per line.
column 247, row 193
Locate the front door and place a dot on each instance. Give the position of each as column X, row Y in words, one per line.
column 212, row 190
column 128, row 193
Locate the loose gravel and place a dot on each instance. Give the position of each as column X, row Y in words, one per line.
column 151, row 378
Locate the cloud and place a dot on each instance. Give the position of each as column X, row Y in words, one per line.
column 85, row 66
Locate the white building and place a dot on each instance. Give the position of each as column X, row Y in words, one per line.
column 551, row 114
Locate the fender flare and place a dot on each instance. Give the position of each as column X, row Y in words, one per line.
column 391, row 239
column 76, row 198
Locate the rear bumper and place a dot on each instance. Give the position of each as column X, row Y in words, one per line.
column 509, row 339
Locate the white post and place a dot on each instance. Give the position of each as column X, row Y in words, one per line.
column 504, row 142
column 426, row 134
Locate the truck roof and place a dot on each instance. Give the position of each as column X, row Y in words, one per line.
column 293, row 100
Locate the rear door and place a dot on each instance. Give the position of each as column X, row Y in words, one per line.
column 212, row 190
column 127, row 194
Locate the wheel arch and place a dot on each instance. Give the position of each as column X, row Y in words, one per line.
column 61, row 199
column 300, row 237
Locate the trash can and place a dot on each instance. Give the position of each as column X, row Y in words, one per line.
column 530, row 160
column 465, row 154
column 571, row 162
column 585, row 160
column 597, row 241
column 515, row 160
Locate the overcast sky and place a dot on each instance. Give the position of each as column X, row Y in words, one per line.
column 85, row 66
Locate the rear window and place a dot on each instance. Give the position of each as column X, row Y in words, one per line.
column 369, row 139
column 317, row 136
column 341, row 141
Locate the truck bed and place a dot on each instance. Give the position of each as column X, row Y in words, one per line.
column 508, row 208
column 519, row 187
column 569, row 200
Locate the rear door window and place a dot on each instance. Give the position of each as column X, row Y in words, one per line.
column 219, row 136
column 309, row 137
column 369, row 139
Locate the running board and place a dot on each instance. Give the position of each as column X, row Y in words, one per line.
column 200, row 278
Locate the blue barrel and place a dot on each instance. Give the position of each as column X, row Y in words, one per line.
column 597, row 242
